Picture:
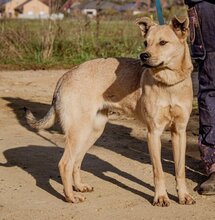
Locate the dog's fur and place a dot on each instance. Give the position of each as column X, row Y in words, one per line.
column 158, row 91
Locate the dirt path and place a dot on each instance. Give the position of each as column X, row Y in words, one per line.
column 118, row 166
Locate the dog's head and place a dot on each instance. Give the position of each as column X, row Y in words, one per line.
column 163, row 43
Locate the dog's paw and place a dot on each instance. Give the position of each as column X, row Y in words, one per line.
column 162, row 201
column 187, row 200
column 84, row 187
column 75, row 199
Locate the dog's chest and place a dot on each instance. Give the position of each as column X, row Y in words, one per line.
column 163, row 105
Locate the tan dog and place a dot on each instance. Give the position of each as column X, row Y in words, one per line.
column 159, row 93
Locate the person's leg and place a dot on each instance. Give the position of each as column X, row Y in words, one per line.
column 207, row 121
column 206, row 101
column 206, row 96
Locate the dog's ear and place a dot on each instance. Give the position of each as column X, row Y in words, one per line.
column 144, row 23
column 181, row 27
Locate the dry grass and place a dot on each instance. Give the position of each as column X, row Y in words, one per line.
column 27, row 44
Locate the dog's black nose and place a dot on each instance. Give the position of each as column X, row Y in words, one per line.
column 145, row 56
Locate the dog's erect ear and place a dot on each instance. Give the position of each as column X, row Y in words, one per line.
column 181, row 27
column 144, row 23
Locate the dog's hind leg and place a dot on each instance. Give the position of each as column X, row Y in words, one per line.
column 79, row 139
column 178, row 134
column 98, row 128
column 66, row 164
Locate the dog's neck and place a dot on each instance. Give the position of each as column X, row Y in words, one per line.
column 170, row 76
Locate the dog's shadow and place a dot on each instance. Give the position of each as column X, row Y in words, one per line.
column 28, row 157
column 42, row 164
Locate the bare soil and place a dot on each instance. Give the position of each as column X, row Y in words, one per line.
column 118, row 165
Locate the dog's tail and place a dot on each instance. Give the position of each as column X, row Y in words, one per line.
column 46, row 122
column 51, row 117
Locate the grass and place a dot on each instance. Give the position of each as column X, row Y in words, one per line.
column 35, row 44
column 39, row 44
column 195, row 110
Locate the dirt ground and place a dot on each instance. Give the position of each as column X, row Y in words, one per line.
column 118, row 165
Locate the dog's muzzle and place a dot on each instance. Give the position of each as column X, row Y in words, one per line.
column 145, row 61
column 145, row 56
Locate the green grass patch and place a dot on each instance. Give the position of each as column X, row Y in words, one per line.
column 42, row 44
column 62, row 44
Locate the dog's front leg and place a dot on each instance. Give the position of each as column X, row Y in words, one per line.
column 154, row 145
column 179, row 151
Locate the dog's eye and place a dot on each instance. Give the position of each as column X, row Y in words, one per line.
column 145, row 43
column 163, row 42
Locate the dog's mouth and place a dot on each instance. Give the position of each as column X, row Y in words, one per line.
column 152, row 66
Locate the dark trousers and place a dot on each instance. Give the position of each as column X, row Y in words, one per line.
column 202, row 25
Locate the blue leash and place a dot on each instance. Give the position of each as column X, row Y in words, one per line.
column 159, row 12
